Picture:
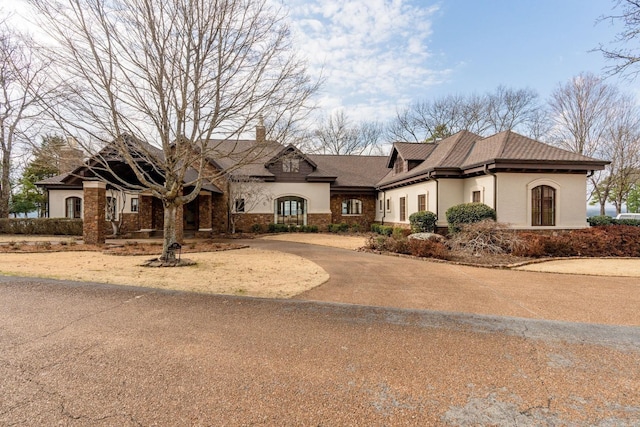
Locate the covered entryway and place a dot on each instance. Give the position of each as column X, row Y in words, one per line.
column 291, row 210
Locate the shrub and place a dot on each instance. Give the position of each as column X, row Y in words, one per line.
column 485, row 236
column 595, row 221
column 338, row 228
column 256, row 228
column 428, row 249
column 468, row 213
column 607, row 241
column 423, row 222
column 277, row 228
column 55, row 226
column 386, row 230
column 375, row 228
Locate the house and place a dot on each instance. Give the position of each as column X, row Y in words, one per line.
column 531, row 185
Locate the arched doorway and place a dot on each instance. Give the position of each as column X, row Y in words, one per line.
column 291, row 210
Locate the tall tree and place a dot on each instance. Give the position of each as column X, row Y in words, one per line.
column 21, row 87
column 492, row 112
column 338, row 135
column 592, row 118
column 623, row 50
column 156, row 81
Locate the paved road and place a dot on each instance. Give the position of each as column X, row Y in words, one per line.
column 369, row 279
column 87, row 354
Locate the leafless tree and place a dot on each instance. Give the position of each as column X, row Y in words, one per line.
column 622, row 50
column 245, row 194
column 623, row 136
column 592, row 118
column 338, row 135
column 580, row 110
column 503, row 109
column 510, row 109
column 158, row 81
column 21, row 88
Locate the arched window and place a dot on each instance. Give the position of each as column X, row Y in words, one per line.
column 291, row 210
column 352, row 207
column 543, row 206
column 73, row 207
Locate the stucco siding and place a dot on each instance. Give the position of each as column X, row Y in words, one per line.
column 316, row 194
column 514, row 199
column 57, row 199
column 411, row 193
column 483, row 184
column 451, row 192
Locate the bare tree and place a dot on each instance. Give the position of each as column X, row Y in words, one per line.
column 510, row 109
column 623, row 135
column 245, row 194
column 625, row 58
column 592, row 118
column 338, row 135
column 156, row 82
column 503, row 109
column 580, row 110
column 21, row 88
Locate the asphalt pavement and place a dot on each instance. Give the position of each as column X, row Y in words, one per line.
column 88, row 354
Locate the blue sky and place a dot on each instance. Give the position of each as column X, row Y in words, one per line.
column 379, row 55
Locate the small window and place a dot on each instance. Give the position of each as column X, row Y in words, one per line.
column 134, row 204
column 475, row 197
column 422, row 202
column 352, row 207
column 290, row 165
column 239, row 205
column 403, row 208
column 73, row 207
column 388, row 205
column 110, row 209
column 381, row 205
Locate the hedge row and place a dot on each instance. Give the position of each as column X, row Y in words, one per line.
column 52, row 226
column 618, row 241
column 600, row 220
column 286, row 228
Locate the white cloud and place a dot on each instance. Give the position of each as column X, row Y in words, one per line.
column 373, row 54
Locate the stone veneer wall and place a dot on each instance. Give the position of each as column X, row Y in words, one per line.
column 130, row 223
column 145, row 212
column 321, row 220
column 367, row 217
column 244, row 222
column 93, row 229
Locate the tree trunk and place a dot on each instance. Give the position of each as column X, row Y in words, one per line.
column 602, row 208
column 169, row 231
column 5, row 185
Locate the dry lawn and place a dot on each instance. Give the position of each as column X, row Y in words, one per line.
column 241, row 272
column 620, row 267
column 322, row 239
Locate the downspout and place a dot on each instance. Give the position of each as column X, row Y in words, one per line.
column 495, row 188
column 384, row 206
column 437, row 194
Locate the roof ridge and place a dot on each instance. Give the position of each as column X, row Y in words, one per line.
column 455, row 138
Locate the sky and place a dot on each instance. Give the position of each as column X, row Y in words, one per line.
column 377, row 56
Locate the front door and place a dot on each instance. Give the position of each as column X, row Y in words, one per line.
column 190, row 215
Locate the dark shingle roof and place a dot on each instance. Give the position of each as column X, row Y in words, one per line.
column 351, row 171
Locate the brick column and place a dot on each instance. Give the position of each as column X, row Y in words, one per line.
column 95, row 200
column 145, row 211
column 204, row 214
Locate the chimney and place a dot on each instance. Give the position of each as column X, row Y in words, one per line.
column 261, row 132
